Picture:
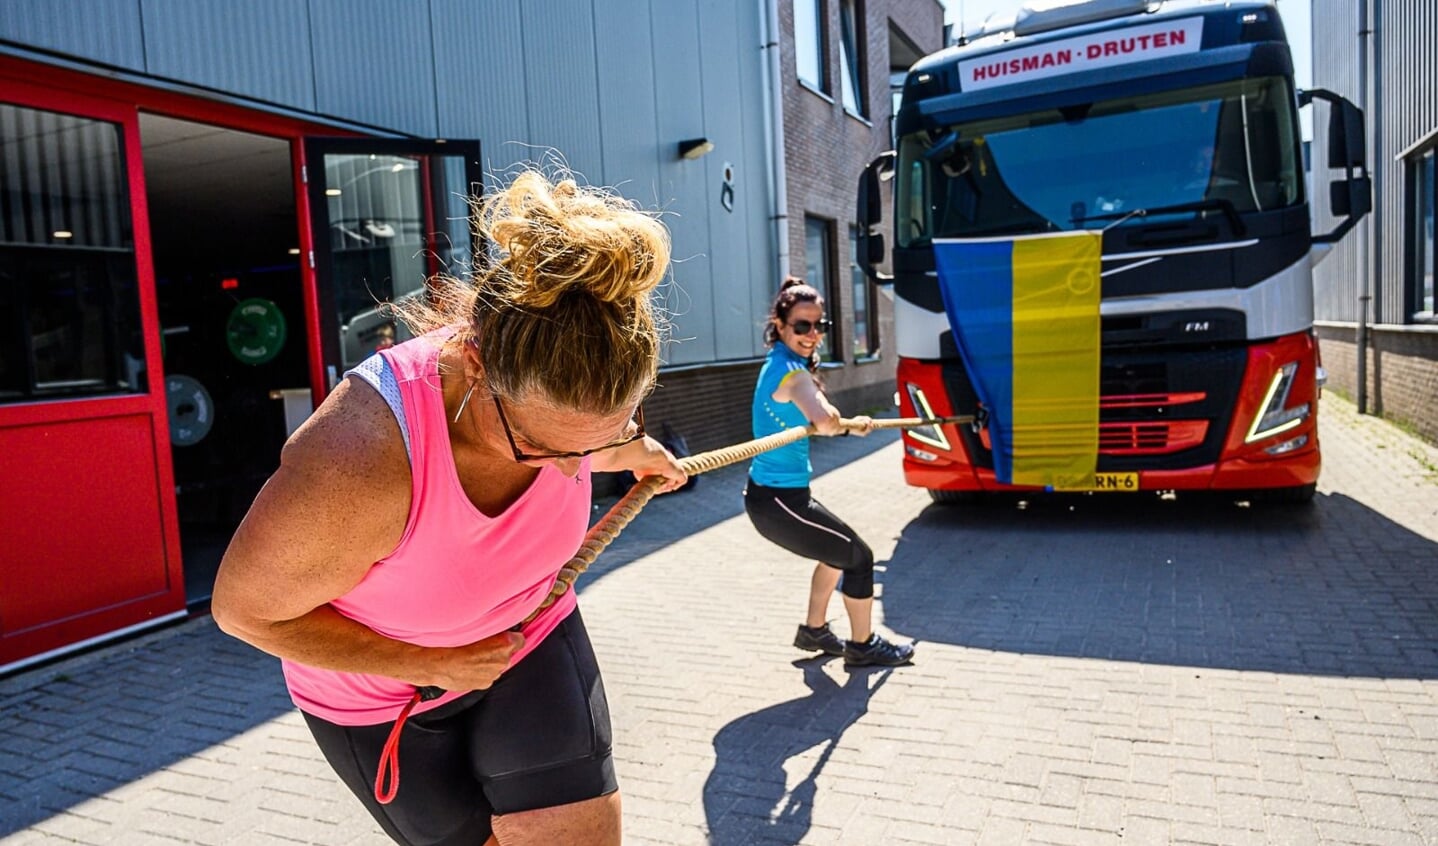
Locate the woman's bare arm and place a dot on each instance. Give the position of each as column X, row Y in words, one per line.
column 644, row 457
column 337, row 504
column 801, row 389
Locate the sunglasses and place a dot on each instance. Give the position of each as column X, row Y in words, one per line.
column 804, row 327
column 522, row 456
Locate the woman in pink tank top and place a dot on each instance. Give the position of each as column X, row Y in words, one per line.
column 422, row 513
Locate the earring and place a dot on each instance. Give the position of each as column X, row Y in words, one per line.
column 464, row 402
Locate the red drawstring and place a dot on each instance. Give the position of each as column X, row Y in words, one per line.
column 389, row 758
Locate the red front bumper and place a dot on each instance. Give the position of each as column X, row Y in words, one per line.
column 1244, row 462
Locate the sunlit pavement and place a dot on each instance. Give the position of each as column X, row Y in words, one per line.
column 1091, row 670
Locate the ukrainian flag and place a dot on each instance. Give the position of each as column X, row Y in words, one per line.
column 1025, row 315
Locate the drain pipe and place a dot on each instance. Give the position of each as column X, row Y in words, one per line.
column 1375, row 219
column 774, row 136
column 1365, row 245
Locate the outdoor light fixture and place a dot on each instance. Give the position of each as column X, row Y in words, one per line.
column 695, row 148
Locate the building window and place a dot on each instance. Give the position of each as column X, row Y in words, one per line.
column 851, row 58
column 809, row 42
column 68, row 293
column 818, row 272
column 1425, row 197
column 866, row 312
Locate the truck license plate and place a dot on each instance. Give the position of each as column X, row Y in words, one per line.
column 1114, row 482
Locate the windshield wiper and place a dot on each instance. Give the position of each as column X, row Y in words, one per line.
column 1230, row 212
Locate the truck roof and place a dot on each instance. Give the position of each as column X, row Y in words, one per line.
column 1038, row 22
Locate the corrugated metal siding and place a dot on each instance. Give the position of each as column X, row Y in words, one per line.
column 628, row 126
column 102, row 30
column 479, row 78
column 374, row 63
column 259, row 48
column 724, row 120
column 630, row 143
column 1335, row 67
column 679, row 97
column 561, row 82
column 1407, row 35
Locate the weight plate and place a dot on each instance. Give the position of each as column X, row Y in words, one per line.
column 192, row 412
column 255, row 331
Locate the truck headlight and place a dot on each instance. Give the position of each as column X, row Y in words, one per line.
column 1275, row 417
column 931, row 435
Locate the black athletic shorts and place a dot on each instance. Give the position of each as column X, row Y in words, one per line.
column 793, row 519
column 539, row 737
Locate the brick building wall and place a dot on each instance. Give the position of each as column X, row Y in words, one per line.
column 826, row 148
column 709, row 405
column 1402, row 372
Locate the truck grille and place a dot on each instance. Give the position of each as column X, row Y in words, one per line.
column 1162, row 409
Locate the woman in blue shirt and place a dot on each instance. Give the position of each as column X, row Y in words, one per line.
column 777, row 498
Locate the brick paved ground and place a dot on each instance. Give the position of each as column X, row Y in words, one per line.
column 1092, row 671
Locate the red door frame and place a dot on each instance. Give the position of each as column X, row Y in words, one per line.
column 41, row 86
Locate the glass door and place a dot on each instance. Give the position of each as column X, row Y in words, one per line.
column 386, row 216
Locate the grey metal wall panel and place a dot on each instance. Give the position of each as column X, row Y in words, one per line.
column 259, row 48
column 374, row 63
column 725, row 116
column 479, row 77
column 682, row 183
column 1335, row 67
column 561, row 82
column 628, row 123
column 100, row 30
column 1408, row 94
column 1405, row 110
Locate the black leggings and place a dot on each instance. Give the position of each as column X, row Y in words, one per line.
column 793, row 519
column 539, row 737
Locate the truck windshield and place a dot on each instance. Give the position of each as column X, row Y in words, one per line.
column 1086, row 166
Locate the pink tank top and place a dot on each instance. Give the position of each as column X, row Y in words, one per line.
column 456, row 576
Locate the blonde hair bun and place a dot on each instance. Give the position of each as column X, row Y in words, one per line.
column 555, row 238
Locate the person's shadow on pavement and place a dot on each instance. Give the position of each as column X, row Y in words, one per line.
column 747, row 793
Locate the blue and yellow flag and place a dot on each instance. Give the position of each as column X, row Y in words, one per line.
column 1025, row 315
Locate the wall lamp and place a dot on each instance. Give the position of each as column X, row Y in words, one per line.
column 695, row 148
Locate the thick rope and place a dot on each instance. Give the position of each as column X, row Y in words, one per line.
column 606, row 530
column 603, row 533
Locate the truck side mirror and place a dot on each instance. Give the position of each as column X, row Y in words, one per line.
column 871, row 251
column 1351, row 197
column 874, row 250
column 1347, row 147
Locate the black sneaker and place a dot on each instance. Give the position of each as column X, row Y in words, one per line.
column 877, row 651
column 818, row 639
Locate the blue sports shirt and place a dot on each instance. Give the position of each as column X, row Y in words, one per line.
column 788, row 466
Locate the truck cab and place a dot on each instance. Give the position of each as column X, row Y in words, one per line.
column 1172, row 129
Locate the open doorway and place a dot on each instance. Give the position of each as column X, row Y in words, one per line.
column 224, row 235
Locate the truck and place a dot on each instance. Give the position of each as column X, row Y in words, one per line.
column 1172, row 129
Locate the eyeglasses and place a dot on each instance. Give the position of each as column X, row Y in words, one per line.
column 522, row 456
column 804, row 327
